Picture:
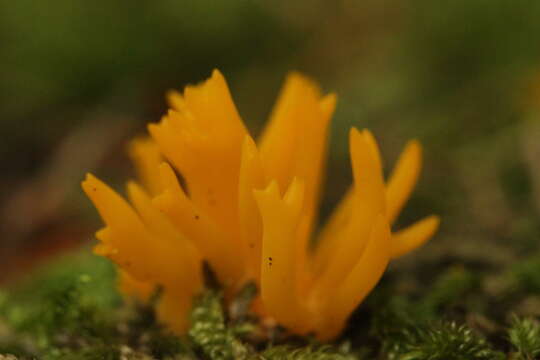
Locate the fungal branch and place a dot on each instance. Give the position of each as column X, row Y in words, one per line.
column 250, row 208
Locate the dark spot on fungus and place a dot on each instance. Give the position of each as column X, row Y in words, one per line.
column 269, row 261
column 196, row 217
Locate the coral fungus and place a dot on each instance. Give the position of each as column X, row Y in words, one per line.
column 249, row 209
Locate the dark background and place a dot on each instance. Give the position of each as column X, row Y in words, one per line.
column 79, row 78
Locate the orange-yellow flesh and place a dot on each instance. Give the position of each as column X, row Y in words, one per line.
column 368, row 203
column 403, row 179
column 371, row 143
column 414, row 236
column 333, row 228
column 398, row 190
column 140, row 290
column 309, row 167
column 359, row 282
column 145, row 154
column 215, row 245
column 175, row 100
column 211, row 104
column 125, row 239
column 202, row 138
column 278, row 266
column 128, row 242
column 161, row 227
column 294, row 144
column 249, row 210
column 251, row 178
column 278, row 143
column 173, row 309
column 209, row 167
column 339, row 218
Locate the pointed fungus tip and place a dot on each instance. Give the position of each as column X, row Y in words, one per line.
column 249, row 144
column 295, row 192
column 367, row 133
column 216, row 76
column 272, row 189
column 152, row 127
column 131, row 186
column 164, row 166
column 328, row 102
column 88, row 182
column 416, row 145
column 436, row 220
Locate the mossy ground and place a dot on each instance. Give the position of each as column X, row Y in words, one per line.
column 71, row 310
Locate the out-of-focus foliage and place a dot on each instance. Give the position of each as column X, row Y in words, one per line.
column 60, row 60
column 458, row 75
column 525, row 338
column 77, row 78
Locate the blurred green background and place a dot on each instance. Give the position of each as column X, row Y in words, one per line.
column 78, row 78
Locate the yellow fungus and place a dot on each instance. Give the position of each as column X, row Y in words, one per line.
column 249, row 209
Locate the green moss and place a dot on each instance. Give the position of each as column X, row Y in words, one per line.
column 443, row 341
column 209, row 333
column 525, row 275
column 90, row 353
column 71, row 310
column 285, row 352
column 524, row 335
column 63, row 305
column 450, row 287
